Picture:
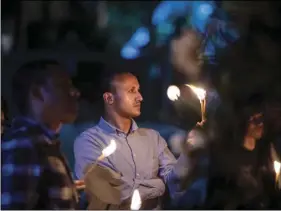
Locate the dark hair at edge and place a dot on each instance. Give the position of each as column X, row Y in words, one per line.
column 4, row 106
column 108, row 77
column 28, row 75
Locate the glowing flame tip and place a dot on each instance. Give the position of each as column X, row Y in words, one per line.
column 277, row 167
column 136, row 200
column 109, row 149
column 200, row 93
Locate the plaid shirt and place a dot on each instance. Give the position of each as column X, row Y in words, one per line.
column 35, row 174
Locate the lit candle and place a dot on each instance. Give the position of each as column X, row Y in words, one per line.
column 136, row 200
column 105, row 153
column 108, row 150
column 277, row 167
column 201, row 95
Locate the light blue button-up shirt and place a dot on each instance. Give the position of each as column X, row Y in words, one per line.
column 142, row 157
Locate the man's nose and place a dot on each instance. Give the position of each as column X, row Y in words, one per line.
column 140, row 97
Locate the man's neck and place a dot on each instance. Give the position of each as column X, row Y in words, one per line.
column 123, row 124
column 249, row 143
column 50, row 125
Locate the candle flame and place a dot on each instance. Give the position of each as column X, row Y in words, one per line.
column 173, row 92
column 201, row 93
column 109, row 149
column 277, row 167
column 136, row 200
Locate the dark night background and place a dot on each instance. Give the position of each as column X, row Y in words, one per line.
column 88, row 36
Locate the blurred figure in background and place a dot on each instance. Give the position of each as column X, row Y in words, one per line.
column 242, row 176
column 35, row 174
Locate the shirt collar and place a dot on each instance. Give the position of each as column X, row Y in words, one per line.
column 20, row 122
column 112, row 129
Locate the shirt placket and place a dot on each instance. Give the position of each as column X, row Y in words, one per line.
column 133, row 157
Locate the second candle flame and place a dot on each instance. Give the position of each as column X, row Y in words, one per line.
column 200, row 93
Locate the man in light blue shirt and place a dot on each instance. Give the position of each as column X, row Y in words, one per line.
column 142, row 157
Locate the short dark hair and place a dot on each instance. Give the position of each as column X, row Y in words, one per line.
column 30, row 74
column 107, row 79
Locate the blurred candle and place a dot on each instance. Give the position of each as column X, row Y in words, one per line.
column 173, row 93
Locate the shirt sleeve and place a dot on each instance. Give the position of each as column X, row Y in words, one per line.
column 87, row 149
column 171, row 170
column 20, row 171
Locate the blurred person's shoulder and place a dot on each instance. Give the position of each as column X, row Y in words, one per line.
column 17, row 143
column 19, row 150
column 22, row 140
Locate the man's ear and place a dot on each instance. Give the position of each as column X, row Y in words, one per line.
column 108, row 98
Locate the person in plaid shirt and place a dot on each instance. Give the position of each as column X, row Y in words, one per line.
column 35, row 174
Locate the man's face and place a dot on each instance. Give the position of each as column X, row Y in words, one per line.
column 61, row 97
column 255, row 126
column 126, row 97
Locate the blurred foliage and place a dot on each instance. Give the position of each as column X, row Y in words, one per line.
column 243, row 12
column 249, row 67
column 125, row 18
column 252, row 64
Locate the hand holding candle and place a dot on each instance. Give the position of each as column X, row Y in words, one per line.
column 136, row 200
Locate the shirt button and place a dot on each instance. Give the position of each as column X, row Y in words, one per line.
column 138, row 175
column 134, row 155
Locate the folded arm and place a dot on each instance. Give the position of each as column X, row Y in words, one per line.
column 151, row 188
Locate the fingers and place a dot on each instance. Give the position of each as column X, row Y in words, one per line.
column 79, row 184
column 81, row 187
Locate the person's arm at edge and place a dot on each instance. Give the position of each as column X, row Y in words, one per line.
column 172, row 170
column 21, row 171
